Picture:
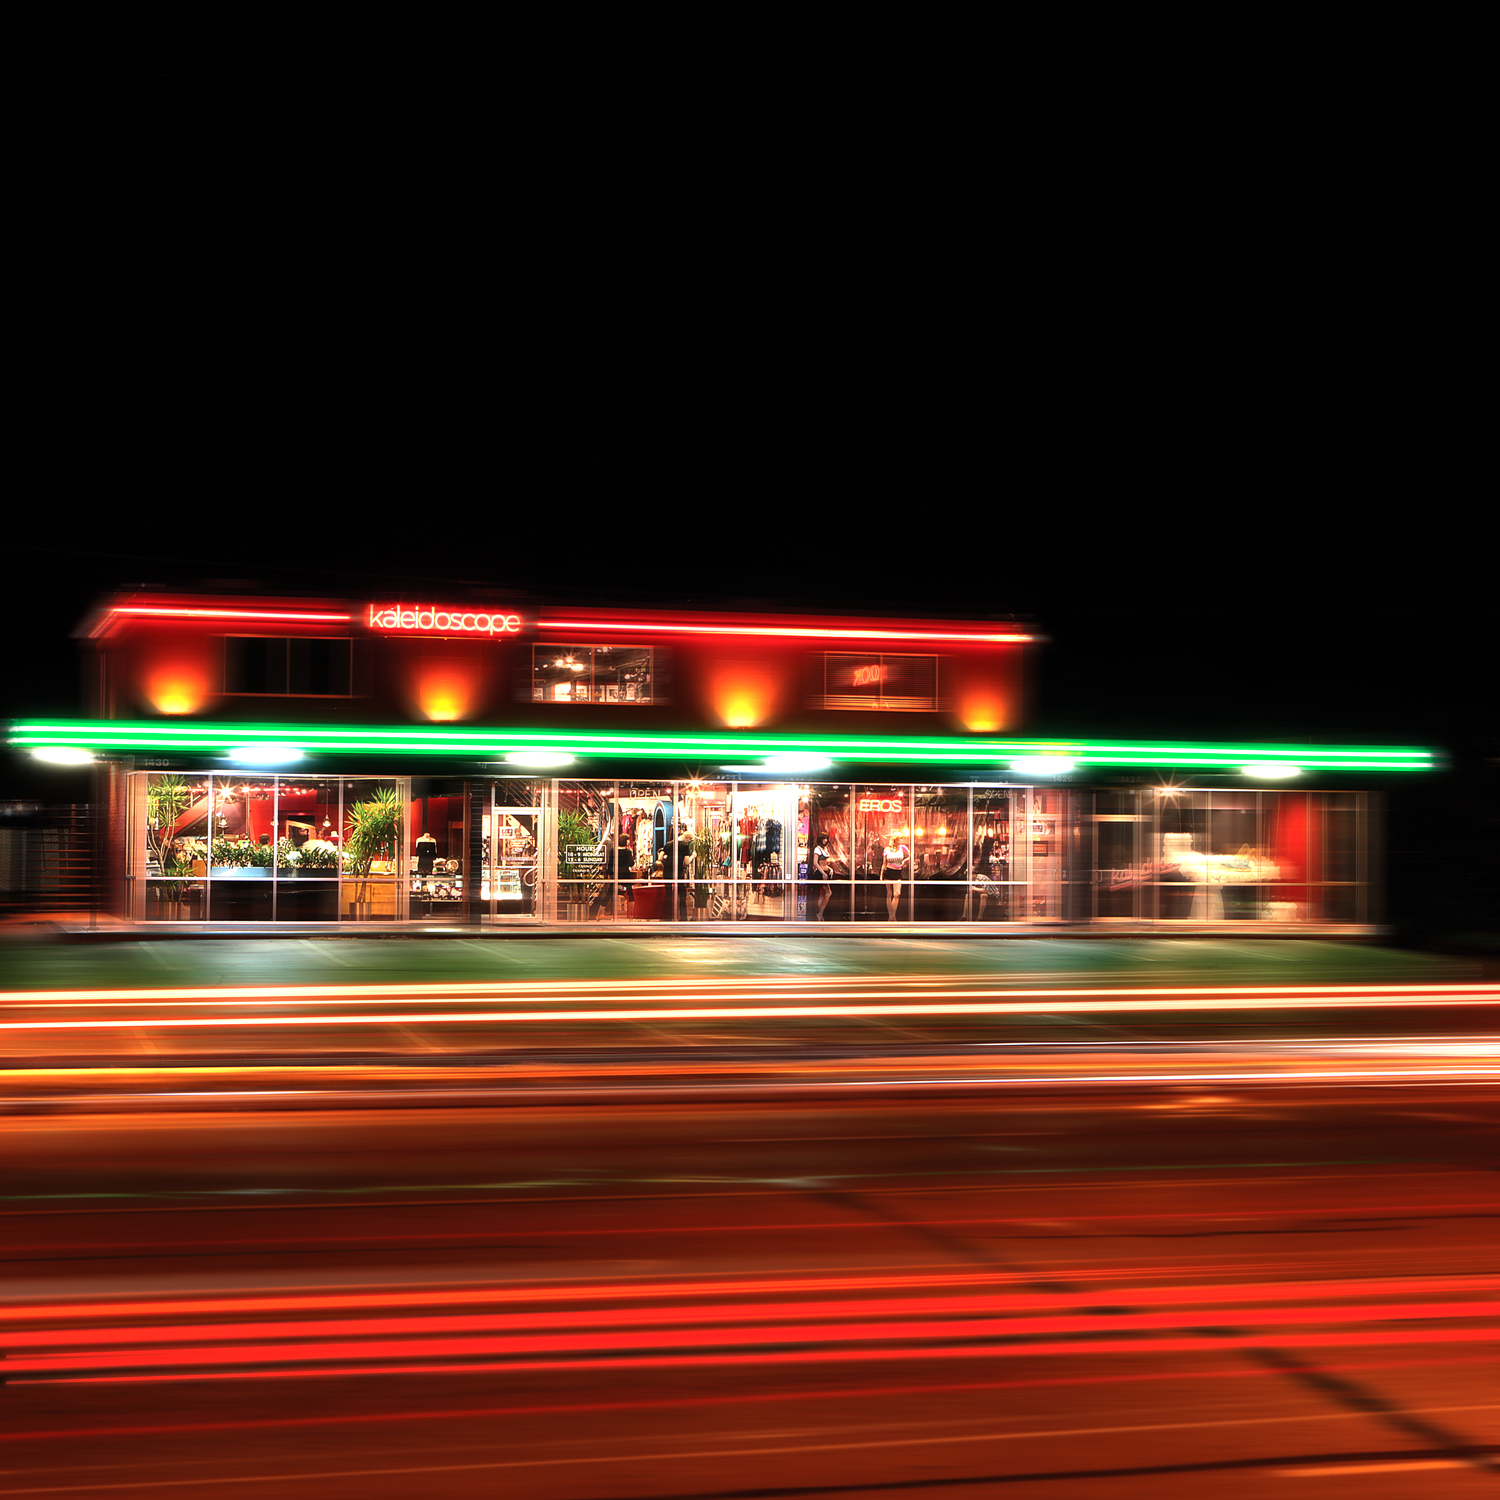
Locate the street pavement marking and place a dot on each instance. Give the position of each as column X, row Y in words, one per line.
column 700, row 1453
column 325, row 952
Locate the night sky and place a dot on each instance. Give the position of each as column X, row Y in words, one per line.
column 1236, row 479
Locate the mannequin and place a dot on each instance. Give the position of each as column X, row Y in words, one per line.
column 820, row 870
column 426, row 851
column 894, row 860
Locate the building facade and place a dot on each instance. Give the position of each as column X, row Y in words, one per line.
column 450, row 762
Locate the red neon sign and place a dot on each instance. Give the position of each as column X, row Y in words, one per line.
column 864, row 676
column 429, row 619
column 171, row 612
column 880, row 804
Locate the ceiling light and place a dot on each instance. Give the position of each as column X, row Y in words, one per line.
column 797, row 763
column 264, row 755
column 63, row 755
column 1270, row 770
column 1043, row 765
column 540, row 759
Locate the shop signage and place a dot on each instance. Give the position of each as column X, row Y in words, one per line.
column 430, row 619
column 864, row 676
column 880, row 804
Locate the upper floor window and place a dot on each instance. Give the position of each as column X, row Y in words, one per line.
column 592, row 674
column 288, row 666
column 877, row 680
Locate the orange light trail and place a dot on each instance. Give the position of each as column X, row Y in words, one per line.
column 1218, row 1293
column 1482, row 992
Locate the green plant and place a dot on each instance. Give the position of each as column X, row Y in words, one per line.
column 260, row 856
column 703, row 857
column 374, row 832
column 231, row 853
column 315, row 854
column 573, row 832
column 167, row 796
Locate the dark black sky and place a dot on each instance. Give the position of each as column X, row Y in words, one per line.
column 1236, row 472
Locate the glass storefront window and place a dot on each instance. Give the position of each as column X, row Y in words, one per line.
column 646, row 828
column 592, row 879
column 760, row 838
column 883, row 854
column 240, row 854
column 239, row 847
column 940, row 853
column 1117, row 857
column 171, row 850
column 993, row 891
column 436, row 850
column 372, row 887
column 829, row 828
column 703, row 810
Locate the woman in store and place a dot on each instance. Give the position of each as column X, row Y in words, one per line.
column 895, row 859
column 820, row 871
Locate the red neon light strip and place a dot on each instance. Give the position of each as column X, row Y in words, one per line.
column 163, row 611
column 800, row 631
column 440, row 1347
column 1219, row 1295
column 778, row 1319
column 826, row 1356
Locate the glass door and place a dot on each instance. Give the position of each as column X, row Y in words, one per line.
column 513, row 864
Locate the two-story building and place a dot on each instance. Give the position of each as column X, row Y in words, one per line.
column 482, row 762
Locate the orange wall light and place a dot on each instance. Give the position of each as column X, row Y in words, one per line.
column 448, row 690
column 743, row 694
column 983, row 711
column 177, row 687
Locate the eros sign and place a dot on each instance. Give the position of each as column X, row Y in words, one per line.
column 429, row 619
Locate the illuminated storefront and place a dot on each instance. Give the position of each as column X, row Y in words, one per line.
column 461, row 764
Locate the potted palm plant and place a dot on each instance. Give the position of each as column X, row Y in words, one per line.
column 374, row 832
column 167, row 798
column 703, row 856
column 575, row 832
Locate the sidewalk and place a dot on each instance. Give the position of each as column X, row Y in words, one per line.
column 142, row 960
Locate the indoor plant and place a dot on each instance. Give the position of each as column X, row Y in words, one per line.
column 315, row 855
column 703, row 857
column 574, row 831
column 374, row 832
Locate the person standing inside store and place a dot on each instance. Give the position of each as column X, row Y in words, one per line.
column 895, row 859
column 820, row 870
column 623, row 875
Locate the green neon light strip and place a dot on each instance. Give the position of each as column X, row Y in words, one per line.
column 105, row 735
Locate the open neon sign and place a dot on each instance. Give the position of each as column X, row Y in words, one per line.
column 429, row 619
column 864, row 676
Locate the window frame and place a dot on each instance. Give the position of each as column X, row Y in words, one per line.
column 593, row 648
column 287, row 690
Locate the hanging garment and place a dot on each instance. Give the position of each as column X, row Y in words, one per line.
column 773, row 836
